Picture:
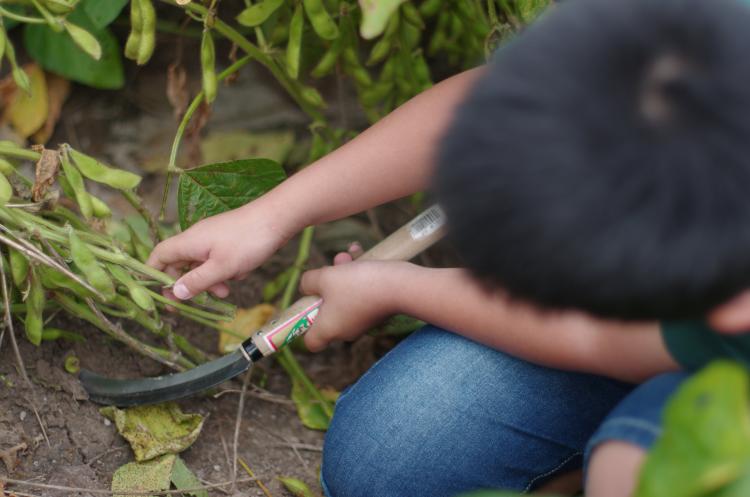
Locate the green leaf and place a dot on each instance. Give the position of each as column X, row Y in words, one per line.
column 102, row 13
column 298, row 488
column 58, row 53
column 209, row 190
column 705, row 445
column 309, row 409
column 140, row 477
column 375, row 15
column 182, row 478
column 155, row 430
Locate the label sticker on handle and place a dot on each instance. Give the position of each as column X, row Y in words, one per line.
column 427, row 223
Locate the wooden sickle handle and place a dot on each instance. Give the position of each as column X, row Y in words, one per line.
column 403, row 244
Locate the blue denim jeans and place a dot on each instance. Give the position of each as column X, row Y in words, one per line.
column 441, row 414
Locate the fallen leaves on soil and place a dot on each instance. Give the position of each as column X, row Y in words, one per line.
column 155, row 430
column 246, row 322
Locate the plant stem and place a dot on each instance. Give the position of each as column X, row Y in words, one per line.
column 286, row 357
column 18, row 153
column 155, row 230
column 21, row 18
column 186, row 309
column 194, row 105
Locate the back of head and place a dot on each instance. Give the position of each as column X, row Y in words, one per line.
column 603, row 161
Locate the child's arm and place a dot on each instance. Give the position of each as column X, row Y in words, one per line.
column 390, row 160
column 359, row 294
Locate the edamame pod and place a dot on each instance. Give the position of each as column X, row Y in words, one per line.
column 3, row 41
column 99, row 208
column 86, row 262
column 19, row 267
column 430, row 7
column 85, row 40
column 6, row 167
column 208, row 65
column 379, row 51
column 255, row 15
column 320, row 19
column 139, row 294
column 411, row 14
column 328, row 61
column 35, row 298
column 55, row 280
column 101, row 173
column 147, row 33
column 312, row 97
column 136, row 28
column 73, row 183
column 49, row 334
column 6, row 191
column 294, row 45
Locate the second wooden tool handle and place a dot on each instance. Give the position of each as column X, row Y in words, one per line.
column 401, row 245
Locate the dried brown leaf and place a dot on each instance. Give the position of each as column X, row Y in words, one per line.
column 46, row 171
column 177, row 92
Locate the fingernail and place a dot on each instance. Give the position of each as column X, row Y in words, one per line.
column 181, row 291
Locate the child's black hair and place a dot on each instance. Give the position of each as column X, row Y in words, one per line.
column 603, row 160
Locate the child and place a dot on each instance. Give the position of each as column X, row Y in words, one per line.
column 596, row 164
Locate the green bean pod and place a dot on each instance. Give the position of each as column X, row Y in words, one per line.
column 136, row 29
column 86, row 262
column 139, row 294
column 73, row 183
column 55, row 280
column 6, row 167
column 376, row 93
column 85, row 40
column 19, row 267
column 311, row 96
column 6, row 190
column 379, row 51
column 3, row 42
column 321, row 21
column 411, row 15
column 34, row 322
column 294, row 45
column 255, row 15
column 147, row 33
column 101, row 173
column 49, row 334
column 208, row 65
column 430, row 7
column 99, row 208
column 328, row 61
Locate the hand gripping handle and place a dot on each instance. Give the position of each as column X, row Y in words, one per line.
column 405, row 243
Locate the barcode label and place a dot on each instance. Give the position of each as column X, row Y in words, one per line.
column 427, row 223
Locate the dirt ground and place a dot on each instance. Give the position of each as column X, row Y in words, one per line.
column 82, row 449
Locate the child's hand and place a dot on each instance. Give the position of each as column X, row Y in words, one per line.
column 356, row 296
column 221, row 248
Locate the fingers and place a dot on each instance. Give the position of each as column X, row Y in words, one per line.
column 221, row 290
column 355, row 250
column 342, row 258
column 310, row 282
column 315, row 341
column 174, row 250
column 210, row 274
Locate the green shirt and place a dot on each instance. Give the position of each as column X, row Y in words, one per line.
column 693, row 344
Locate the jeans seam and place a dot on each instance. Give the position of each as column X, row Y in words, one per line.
column 552, row 471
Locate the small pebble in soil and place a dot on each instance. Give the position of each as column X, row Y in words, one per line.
column 107, row 422
column 217, row 467
column 23, row 415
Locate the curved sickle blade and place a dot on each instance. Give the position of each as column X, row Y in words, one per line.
column 143, row 391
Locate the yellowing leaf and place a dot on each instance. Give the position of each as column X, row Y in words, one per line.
column 183, row 478
column 155, row 430
column 28, row 112
column 245, row 323
column 58, row 89
column 309, row 410
column 139, row 477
